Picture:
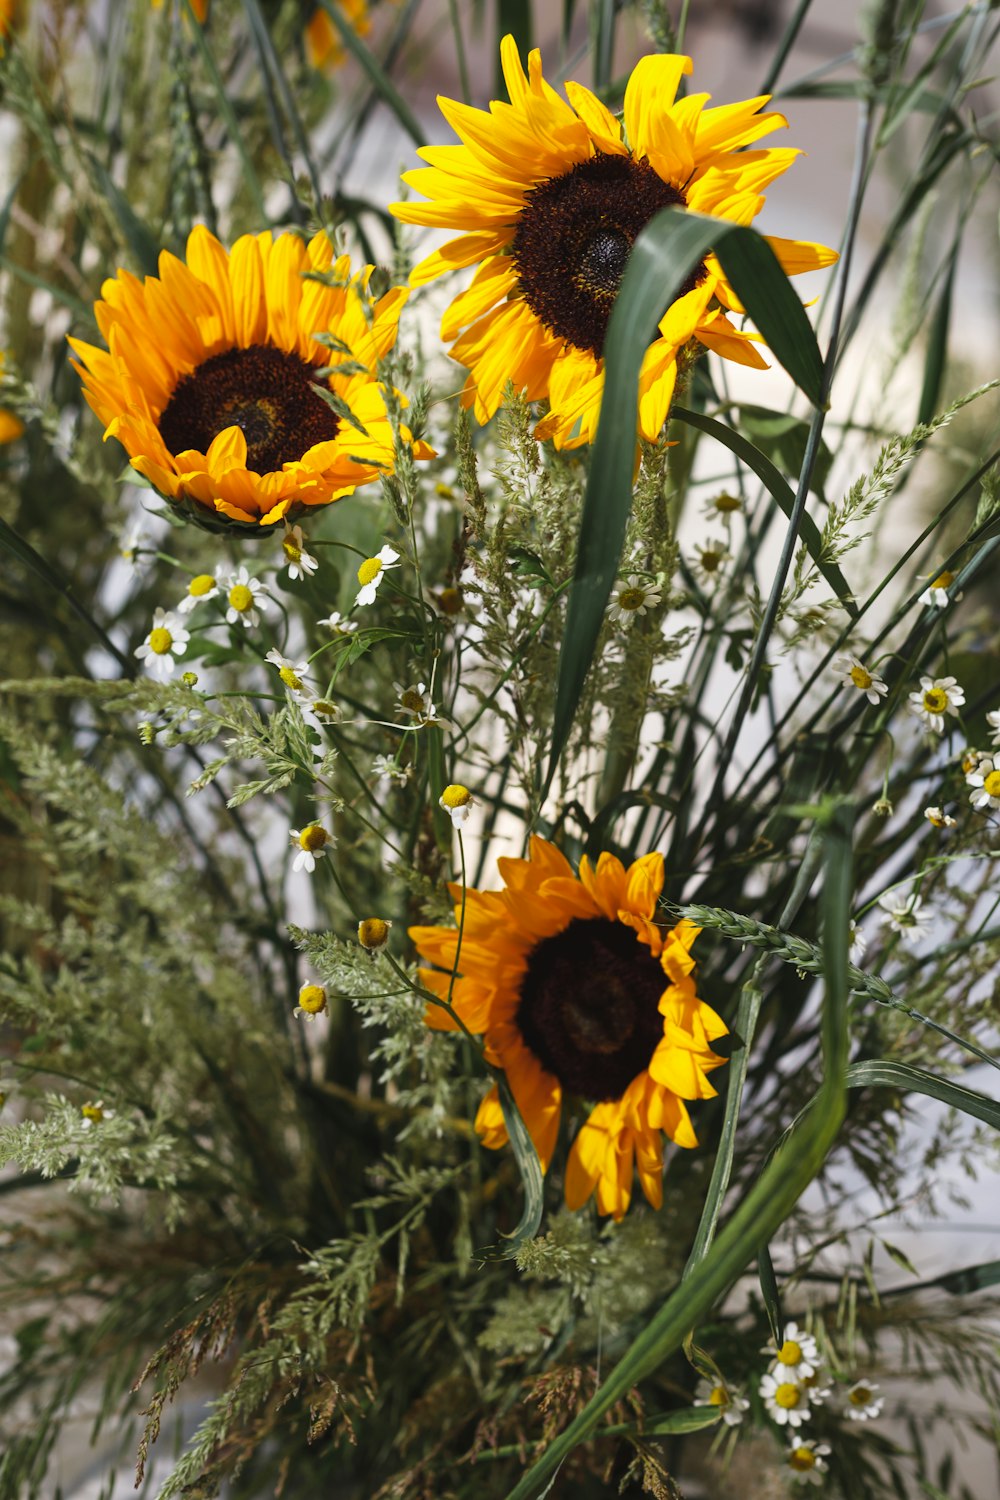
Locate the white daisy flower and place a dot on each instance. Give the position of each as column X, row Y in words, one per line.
column 806, row 1458
column 371, row 572
column 301, row 564
column 244, row 597
column 937, row 818
column 294, row 675
column 320, row 712
column 416, row 701
column 785, row 1400
column 633, row 597
column 458, row 803
column 202, row 586
column 907, row 915
column 723, row 506
column 133, row 541
column 94, row 1113
column 339, row 624
column 731, row 1404
column 311, row 843
column 857, row 943
column 167, row 639
column 387, row 768
column 993, row 720
column 818, row 1388
column 936, row 595
column 854, row 673
column 711, row 559
column 985, row 782
column 863, row 1401
column 798, row 1356
column 938, row 696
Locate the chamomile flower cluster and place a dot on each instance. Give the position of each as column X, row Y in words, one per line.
column 790, row 1388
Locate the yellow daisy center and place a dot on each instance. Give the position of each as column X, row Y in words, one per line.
column 312, row 999
column 325, row 708
column 456, row 796
column 373, row 933
column 160, row 641
column 710, row 560
column 719, row 1396
column 631, row 599
column 861, row 678
column 573, row 239
column 943, row 580
column 802, row 1459
column 203, row 584
column 450, row 601
column 726, row 504
column 790, row 1352
column 92, row 1112
column 369, row 570
column 588, row 1006
column 241, row 598
column 860, row 1396
column 313, row 838
column 935, row 700
column 412, row 701
column 992, row 784
column 788, row 1396
column 290, row 550
column 268, row 393
column 290, row 680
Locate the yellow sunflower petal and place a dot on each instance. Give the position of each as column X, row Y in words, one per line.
column 490, row 1125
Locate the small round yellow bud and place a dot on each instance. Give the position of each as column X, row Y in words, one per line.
column 189, row 679
column 455, row 796
column 373, row 934
column 450, row 601
column 312, row 999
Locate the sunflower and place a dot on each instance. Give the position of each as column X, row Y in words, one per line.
column 323, row 44
column 575, row 989
column 213, row 376
column 549, row 198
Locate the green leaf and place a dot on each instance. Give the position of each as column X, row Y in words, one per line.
column 778, row 488
column 771, row 1295
column 768, row 1203
column 528, row 1165
column 667, row 252
column 783, row 438
column 937, row 344
column 880, row 1073
column 689, row 1419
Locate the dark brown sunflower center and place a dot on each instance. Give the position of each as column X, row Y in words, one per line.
column 267, row 392
column 588, row 1008
column 574, row 236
